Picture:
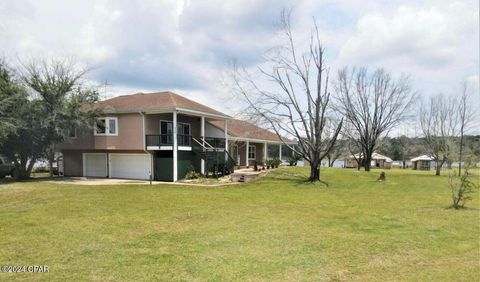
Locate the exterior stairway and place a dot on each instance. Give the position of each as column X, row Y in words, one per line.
column 218, row 162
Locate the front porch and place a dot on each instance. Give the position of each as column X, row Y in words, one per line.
column 247, row 152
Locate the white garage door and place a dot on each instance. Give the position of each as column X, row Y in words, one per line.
column 95, row 165
column 134, row 166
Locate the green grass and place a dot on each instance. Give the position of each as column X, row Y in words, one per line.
column 277, row 228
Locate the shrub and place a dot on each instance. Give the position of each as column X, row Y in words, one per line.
column 269, row 164
column 292, row 161
column 462, row 188
column 276, row 162
column 382, row 177
column 192, row 174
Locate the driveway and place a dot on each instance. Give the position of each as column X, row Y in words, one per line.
column 96, row 181
column 114, row 181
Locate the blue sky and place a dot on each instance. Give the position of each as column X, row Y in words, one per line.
column 186, row 46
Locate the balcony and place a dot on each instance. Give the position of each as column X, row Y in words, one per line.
column 184, row 142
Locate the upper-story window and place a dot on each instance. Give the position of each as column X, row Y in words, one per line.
column 72, row 132
column 183, row 132
column 106, row 126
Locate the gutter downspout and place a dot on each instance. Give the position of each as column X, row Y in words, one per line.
column 144, row 146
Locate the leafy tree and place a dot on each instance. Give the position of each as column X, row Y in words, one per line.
column 57, row 101
column 11, row 96
column 61, row 96
column 26, row 145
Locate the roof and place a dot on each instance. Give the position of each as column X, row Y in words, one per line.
column 375, row 156
column 244, row 129
column 153, row 102
column 422, row 158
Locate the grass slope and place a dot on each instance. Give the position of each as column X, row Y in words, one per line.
column 277, row 228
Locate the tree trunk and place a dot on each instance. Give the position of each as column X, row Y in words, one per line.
column 23, row 169
column 404, row 164
column 50, row 164
column 314, row 172
column 30, row 166
column 438, row 167
column 51, row 157
column 368, row 161
column 359, row 164
column 461, row 154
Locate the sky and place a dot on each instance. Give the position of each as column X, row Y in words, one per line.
column 188, row 46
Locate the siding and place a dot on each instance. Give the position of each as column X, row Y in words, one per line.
column 130, row 134
column 72, row 163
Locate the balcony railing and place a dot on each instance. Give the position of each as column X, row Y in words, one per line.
column 167, row 140
column 216, row 142
column 157, row 140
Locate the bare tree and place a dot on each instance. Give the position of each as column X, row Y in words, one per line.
column 353, row 144
column 298, row 103
column 372, row 105
column 439, row 122
column 466, row 116
column 337, row 151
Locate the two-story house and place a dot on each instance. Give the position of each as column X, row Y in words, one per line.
column 162, row 136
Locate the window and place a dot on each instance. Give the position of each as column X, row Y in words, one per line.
column 252, row 152
column 72, row 132
column 106, row 126
column 183, row 133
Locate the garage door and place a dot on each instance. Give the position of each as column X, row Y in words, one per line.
column 95, row 165
column 134, row 166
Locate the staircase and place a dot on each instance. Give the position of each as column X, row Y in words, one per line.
column 218, row 162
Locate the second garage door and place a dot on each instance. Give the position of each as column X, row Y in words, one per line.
column 134, row 166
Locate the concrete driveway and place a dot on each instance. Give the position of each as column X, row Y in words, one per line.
column 113, row 181
column 96, row 181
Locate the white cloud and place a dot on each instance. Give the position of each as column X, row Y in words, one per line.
column 186, row 45
column 428, row 36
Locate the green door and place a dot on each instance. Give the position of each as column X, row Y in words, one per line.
column 163, row 166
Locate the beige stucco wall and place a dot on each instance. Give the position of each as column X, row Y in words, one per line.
column 130, row 134
column 84, row 141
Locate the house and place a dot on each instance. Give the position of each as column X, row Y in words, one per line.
column 162, row 136
column 422, row 162
column 378, row 161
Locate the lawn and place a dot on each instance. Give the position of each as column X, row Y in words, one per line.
column 277, row 228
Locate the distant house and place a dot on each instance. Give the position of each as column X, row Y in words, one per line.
column 422, row 162
column 378, row 161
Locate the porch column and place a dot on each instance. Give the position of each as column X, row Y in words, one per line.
column 175, row 147
column 246, row 154
column 225, row 132
column 202, row 134
column 280, row 152
column 265, row 150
